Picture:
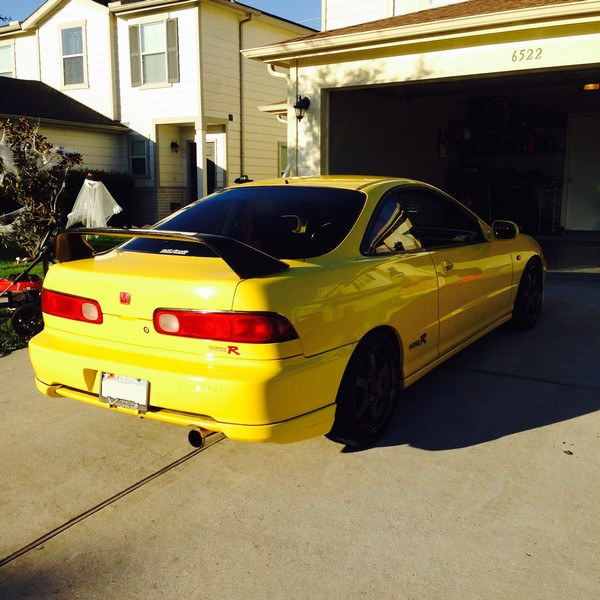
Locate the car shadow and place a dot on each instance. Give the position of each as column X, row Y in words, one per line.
column 509, row 382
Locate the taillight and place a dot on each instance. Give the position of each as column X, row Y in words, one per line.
column 71, row 307
column 251, row 328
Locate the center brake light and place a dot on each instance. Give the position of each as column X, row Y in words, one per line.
column 251, row 328
column 71, row 307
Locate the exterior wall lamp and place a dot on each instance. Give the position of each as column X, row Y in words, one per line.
column 174, row 147
column 301, row 106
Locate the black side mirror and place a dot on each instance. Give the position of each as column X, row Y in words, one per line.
column 505, row 230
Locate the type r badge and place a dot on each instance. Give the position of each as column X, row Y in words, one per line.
column 125, row 297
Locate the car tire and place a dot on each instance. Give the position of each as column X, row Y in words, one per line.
column 528, row 302
column 27, row 320
column 367, row 393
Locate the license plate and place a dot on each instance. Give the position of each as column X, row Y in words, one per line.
column 123, row 391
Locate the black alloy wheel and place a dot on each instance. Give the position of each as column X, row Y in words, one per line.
column 528, row 302
column 367, row 394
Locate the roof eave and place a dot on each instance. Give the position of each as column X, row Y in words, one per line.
column 285, row 53
column 117, row 128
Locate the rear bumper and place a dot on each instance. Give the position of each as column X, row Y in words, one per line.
column 313, row 424
column 280, row 401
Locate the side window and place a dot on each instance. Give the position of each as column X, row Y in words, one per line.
column 154, row 53
column 440, row 220
column 72, row 45
column 390, row 229
column 6, row 61
column 138, row 153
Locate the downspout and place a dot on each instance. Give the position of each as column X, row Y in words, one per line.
column 274, row 73
column 243, row 175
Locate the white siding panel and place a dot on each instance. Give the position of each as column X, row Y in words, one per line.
column 143, row 107
column 26, row 57
column 98, row 93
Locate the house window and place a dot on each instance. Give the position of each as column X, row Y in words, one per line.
column 154, row 53
column 138, row 152
column 283, row 158
column 6, row 61
column 73, row 57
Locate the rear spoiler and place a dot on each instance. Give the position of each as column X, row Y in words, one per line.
column 246, row 262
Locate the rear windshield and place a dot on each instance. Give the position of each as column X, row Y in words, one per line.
column 283, row 221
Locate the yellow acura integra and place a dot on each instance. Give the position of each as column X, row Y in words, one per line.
column 278, row 311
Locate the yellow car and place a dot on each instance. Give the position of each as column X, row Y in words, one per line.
column 282, row 310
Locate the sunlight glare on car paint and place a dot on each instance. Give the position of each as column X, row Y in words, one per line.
column 205, row 292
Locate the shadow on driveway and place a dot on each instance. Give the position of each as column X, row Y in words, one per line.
column 511, row 382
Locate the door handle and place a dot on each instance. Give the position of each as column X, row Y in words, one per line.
column 447, row 266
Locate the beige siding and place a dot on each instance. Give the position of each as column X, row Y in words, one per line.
column 99, row 150
column 221, row 77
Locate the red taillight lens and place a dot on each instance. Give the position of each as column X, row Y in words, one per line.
column 71, row 307
column 251, row 328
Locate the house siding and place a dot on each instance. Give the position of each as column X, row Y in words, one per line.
column 200, row 106
column 97, row 93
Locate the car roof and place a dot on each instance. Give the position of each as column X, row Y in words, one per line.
column 355, row 182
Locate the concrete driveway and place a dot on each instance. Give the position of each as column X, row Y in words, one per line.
column 486, row 486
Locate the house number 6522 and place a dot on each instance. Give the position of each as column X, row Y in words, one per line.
column 527, row 54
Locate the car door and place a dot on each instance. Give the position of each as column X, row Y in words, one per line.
column 474, row 273
column 397, row 263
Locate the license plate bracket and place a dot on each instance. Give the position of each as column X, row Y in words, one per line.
column 124, row 391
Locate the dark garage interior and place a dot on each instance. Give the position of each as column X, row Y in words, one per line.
column 519, row 147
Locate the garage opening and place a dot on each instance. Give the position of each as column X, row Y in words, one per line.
column 524, row 148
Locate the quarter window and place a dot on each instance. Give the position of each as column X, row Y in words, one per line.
column 390, row 229
column 154, row 53
column 73, row 58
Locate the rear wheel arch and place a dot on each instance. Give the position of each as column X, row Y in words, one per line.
column 368, row 389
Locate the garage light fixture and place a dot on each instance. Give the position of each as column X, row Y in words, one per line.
column 591, row 87
column 301, row 106
column 174, row 147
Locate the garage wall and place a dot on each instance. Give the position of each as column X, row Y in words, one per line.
column 372, row 134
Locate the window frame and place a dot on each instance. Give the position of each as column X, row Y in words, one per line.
column 81, row 25
column 170, row 53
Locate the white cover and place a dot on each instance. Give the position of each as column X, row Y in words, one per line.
column 94, row 205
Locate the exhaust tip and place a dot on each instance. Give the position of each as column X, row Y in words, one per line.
column 197, row 437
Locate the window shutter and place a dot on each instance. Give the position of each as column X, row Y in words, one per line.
column 172, row 51
column 134, row 56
